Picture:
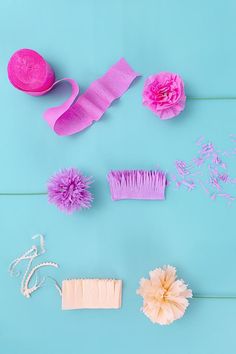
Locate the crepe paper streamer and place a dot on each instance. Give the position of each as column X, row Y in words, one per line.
column 30, row 255
column 137, row 184
column 91, row 294
column 29, row 72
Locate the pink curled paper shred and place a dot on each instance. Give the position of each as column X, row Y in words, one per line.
column 30, row 73
column 207, row 171
column 182, row 168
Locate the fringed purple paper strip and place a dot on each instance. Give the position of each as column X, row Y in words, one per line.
column 137, row 184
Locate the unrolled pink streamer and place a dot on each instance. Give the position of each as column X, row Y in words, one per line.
column 30, row 73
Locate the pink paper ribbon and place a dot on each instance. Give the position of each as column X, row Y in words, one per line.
column 29, row 72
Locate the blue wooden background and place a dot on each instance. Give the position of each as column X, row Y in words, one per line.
column 81, row 39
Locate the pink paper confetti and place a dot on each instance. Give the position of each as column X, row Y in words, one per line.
column 189, row 184
column 182, row 168
column 214, row 171
column 198, row 161
column 207, row 149
column 215, row 159
column 223, row 165
column 227, row 196
column 208, row 163
column 215, row 183
column 224, row 177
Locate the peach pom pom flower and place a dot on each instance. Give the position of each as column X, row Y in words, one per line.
column 164, row 94
column 164, row 296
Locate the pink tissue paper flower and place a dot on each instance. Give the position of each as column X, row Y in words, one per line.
column 164, row 296
column 68, row 190
column 164, row 94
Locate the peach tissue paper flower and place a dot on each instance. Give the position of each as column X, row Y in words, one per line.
column 164, row 296
column 164, row 94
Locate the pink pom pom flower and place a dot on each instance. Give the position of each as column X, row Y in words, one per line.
column 164, row 94
column 68, row 190
column 164, row 296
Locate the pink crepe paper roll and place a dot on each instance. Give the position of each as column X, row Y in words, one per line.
column 29, row 72
column 91, row 294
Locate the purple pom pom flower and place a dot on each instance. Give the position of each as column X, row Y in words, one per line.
column 68, row 190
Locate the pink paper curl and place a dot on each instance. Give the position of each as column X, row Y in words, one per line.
column 29, row 72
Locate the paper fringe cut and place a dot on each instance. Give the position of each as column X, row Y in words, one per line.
column 91, row 294
column 30, row 255
column 137, row 184
column 29, row 72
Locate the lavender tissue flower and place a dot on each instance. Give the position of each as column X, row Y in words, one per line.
column 68, row 190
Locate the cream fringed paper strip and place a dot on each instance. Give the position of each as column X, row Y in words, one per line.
column 91, row 294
